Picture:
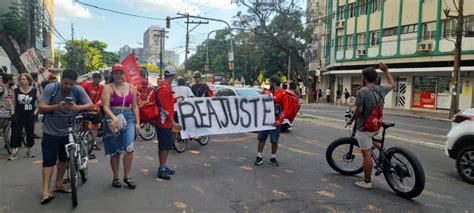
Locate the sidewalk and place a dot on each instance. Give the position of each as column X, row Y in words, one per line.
column 440, row 115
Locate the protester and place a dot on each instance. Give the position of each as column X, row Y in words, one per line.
column 120, row 104
column 201, row 89
column 182, row 91
column 281, row 109
column 23, row 117
column 367, row 98
column 314, row 93
column 328, row 94
column 55, row 128
column 94, row 89
column 338, row 97
column 6, row 97
column 320, row 95
column 144, row 91
column 347, row 97
column 165, row 122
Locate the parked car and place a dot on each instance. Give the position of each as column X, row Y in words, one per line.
column 215, row 87
column 232, row 91
column 460, row 144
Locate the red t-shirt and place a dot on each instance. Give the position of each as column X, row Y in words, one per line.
column 94, row 93
column 167, row 100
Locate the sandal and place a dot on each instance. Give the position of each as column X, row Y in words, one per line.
column 46, row 199
column 116, row 183
column 130, row 183
column 62, row 190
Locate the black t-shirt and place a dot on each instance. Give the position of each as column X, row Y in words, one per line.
column 200, row 90
column 25, row 102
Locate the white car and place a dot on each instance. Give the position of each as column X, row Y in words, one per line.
column 460, row 144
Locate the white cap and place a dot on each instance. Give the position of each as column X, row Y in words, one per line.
column 169, row 70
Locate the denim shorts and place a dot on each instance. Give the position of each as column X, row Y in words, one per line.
column 119, row 143
column 52, row 148
column 274, row 135
column 165, row 138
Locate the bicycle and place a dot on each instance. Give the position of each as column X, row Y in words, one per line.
column 147, row 131
column 180, row 145
column 388, row 162
column 77, row 155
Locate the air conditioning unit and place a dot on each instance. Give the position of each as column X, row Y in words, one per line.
column 425, row 46
column 340, row 24
column 360, row 52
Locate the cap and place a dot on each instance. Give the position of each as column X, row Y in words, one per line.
column 118, row 67
column 169, row 70
column 275, row 79
column 197, row 74
column 51, row 76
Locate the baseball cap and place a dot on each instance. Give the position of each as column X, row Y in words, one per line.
column 169, row 70
column 275, row 79
column 51, row 76
column 197, row 74
column 118, row 67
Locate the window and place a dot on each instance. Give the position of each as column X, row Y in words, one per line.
column 350, row 42
column 469, row 26
column 409, row 29
column 341, row 12
column 390, row 32
column 363, row 7
column 361, row 41
column 429, row 31
column 376, row 5
column 352, row 10
column 339, row 42
column 374, row 38
column 449, row 28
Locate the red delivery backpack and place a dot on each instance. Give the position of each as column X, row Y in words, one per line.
column 375, row 119
column 293, row 104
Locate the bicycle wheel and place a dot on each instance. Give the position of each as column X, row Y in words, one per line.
column 73, row 176
column 84, row 154
column 339, row 158
column 7, row 138
column 180, row 145
column 403, row 172
column 147, row 131
column 203, row 140
column 85, row 133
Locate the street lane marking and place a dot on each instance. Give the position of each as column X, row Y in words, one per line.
column 279, row 193
column 247, row 168
column 180, row 205
column 373, row 208
column 194, row 152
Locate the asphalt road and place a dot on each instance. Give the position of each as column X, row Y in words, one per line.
column 221, row 177
column 402, row 122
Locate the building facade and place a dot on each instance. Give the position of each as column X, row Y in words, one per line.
column 152, row 44
column 170, row 57
column 414, row 37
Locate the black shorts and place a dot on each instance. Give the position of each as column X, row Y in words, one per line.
column 94, row 118
column 274, row 135
column 165, row 138
column 53, row 149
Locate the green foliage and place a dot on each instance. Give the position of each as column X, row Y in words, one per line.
column 16, row 23
column 87, row 56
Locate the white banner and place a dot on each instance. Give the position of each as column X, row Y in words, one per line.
column 225, row 115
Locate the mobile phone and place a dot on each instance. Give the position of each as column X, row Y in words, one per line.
column 69, row 99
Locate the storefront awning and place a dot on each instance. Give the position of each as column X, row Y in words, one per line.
column 403, row 70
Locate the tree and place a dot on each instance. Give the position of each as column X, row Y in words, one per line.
column 87, row 56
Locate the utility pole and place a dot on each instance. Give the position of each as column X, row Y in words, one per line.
column 456, row 77
column 72, row 44
column 187, row 42
column 32, row 30
column 59, row 55
column 162, row 44
column 289, row 68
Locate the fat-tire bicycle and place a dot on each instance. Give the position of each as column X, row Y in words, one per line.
column 401, row 168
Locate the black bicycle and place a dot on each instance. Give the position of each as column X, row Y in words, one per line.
column 401, row 168
column 77, row 154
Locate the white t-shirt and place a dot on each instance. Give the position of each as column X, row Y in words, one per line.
column 182, row 91
column 328, row 92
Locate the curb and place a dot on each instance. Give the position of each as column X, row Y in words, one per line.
column 388, row 112
column 427, row 144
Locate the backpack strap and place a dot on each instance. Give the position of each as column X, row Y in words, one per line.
column 56, row 88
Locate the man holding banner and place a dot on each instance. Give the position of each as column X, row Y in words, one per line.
column 165, row 123
column 281, row 103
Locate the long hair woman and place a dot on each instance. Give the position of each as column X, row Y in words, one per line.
column 119, row 100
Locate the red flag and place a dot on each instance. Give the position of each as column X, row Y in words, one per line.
column 132, row 72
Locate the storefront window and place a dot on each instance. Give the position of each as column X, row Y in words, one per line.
column 424, row 92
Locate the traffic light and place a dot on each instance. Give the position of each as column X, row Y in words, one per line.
column 168, row 19
column 319, row 64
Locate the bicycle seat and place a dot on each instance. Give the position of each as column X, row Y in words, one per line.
column 387, row 125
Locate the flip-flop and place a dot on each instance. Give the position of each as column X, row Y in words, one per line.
column 47, row 199
column 63, row 190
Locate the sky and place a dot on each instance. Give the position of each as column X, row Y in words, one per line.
column 119, row 30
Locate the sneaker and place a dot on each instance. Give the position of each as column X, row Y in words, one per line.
column 97, row 148
column 274, row 162
column 29, row 154
column 12, row 158
column 169, row 171
column 363, row 184
column 258, row 161
column 162, row 174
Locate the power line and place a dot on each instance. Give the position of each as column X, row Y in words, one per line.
column 119, row 12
